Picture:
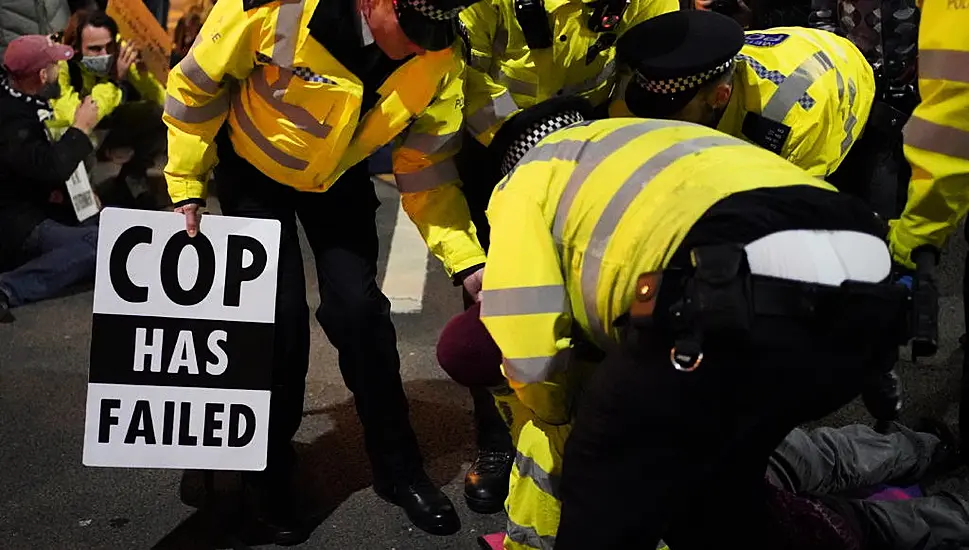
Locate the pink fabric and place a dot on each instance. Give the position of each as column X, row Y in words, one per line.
column 495, row 541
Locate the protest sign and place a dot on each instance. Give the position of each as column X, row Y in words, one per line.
column 137, row 24
column 181, row 343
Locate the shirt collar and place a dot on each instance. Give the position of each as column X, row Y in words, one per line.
column 366, row 36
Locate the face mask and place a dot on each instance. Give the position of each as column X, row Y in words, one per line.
column 97, row 64
column 51, row 90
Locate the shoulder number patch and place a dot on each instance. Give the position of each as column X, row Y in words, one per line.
column 764, row 40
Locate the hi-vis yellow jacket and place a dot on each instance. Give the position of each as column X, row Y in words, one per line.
column 106, row 94
column 294, row 113
column 937, row 135
column 584, row 213
column 506, row 76
column 815, row 82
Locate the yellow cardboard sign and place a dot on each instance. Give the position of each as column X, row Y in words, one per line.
column 137, row 24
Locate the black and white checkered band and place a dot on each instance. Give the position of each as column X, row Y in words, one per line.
column 429, row 11
column 682, row 83
column 535, row 133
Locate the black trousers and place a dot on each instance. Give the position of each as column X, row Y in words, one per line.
column 479, row 175
column 340, row 228
column 657, row 453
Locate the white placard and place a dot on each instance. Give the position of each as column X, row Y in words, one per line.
column 181, row 344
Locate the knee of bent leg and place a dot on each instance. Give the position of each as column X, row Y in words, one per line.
column 352, row 310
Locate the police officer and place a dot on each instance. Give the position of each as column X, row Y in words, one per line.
column 290, row 98
column 937, row 147
column 523, row 52
column 801, row 93
column 736, row 296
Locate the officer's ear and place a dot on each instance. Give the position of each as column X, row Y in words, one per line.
column 720, row 95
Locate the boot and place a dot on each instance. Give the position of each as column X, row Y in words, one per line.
column 486, row 483
column 274, row 505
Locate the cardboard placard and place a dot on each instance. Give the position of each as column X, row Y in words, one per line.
column 137, row 24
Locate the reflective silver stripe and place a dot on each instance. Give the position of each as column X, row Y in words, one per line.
column 287, row 32
column 516, row 86
column 491, row 113
column 528, row 370
column 190, row 68
column 216, row 107
column 498, row 47
column 260, row 141
column 428, row 178
column 852, row 120
column 568, row 149
column 592, row 155
column 532, row 300
column 430, row 144
column 528, row 536
column 299, row 116
column 613, row 213
column 590, row 84
column 841, row 85
column 948, row 65
column 789, row 92
column 937, row 138
column 480, row 62
column 527, row 467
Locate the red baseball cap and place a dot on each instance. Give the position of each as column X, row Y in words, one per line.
column 26, row 55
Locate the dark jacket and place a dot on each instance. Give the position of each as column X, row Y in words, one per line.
column 31, row 167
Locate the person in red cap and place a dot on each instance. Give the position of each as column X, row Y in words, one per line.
column 43, row 256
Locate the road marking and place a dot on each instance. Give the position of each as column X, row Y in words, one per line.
column 406, row 266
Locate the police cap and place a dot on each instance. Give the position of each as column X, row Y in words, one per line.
column 672, row 56
column 524, row 130
column 431, row 24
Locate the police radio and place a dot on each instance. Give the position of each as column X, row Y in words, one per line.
column 606, row 15
column 533, row 20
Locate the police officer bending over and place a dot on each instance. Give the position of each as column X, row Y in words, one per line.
column 736, row 296
column 290, row 97
column 522, row 53
column 804, row 94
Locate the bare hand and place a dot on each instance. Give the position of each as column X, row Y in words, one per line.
column 126, row 58
column 86, row 115
column 193, row 217
column 472, row 284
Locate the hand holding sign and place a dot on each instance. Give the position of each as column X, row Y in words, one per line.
column 181, row 343
column 193, row 217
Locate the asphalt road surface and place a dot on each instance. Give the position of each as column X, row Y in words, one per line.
column 49, row 500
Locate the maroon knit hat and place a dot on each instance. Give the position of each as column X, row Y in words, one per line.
column 466, row 351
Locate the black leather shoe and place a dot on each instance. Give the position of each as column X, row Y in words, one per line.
column 486, row 483
column 5, row 315
column 276, row 512
column 426, row 506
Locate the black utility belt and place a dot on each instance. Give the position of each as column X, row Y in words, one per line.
column 719, row 296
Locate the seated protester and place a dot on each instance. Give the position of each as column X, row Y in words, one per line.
column 828, row 469
column 45, row 255
column 186, row 30
column 804, row 94
column 129, row 98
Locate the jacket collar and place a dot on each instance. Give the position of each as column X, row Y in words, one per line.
column 32, row 100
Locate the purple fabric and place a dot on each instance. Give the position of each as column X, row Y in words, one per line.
column 886, row 492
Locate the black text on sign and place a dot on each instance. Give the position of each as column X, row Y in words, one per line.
column 181, row 342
